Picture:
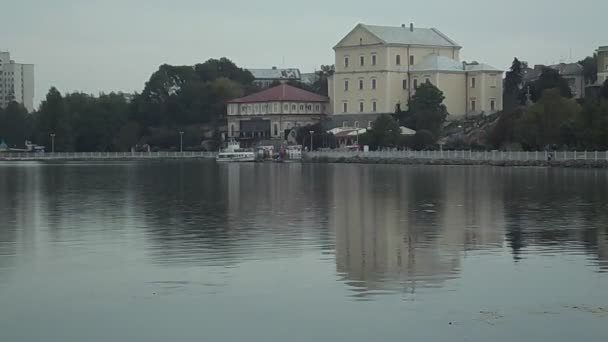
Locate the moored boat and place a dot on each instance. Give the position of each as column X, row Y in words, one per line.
column 234, row 153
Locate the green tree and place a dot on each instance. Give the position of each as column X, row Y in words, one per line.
column 385, row 132
column 14, row 126
column 423, row 139
column 549, row 79
column 53, row 118
column 321, row 84
column 426, row 110
column 589, row 65
column 127, row 137
column 544, row 123
column 503, row 131
column 513, row 84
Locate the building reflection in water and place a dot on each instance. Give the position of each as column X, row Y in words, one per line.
column 404, row 228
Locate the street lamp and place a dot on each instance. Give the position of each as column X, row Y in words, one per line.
column 311, row 133
column 181, row 141
column 53, row 142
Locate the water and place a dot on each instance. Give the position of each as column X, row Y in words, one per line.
column 184, row 251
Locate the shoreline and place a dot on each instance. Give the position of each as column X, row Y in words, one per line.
column 581, row 164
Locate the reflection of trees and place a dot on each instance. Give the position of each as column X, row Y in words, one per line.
column 401, row 228
column 226, row 213
column 556, row 210
column 19, row 211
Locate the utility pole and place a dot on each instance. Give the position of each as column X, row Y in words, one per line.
column 181, row 141
column 311, row 133
column 52, row 142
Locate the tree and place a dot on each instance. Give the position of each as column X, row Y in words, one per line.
column 544, row 123
column 14, row 125
column 503, row 132
column 187, row 95
column 589, row 65
column 513, row 84
column 320, row 137
column 549, row 79
column 127, row 137
column 52, row 118
column 423, row 139
column 385, row 132
column 323, row 75
column 426, row 110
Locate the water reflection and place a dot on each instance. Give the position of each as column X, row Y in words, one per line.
column 411, row 229
column 386, row 228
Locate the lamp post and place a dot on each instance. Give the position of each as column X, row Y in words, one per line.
column 181, row 141
column 311, row 133
column 52, row 142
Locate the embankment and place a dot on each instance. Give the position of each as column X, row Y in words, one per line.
column 585, row 164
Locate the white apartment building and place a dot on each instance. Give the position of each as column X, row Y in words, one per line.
column 602, row 64
column 378, row 69
column 16, row 82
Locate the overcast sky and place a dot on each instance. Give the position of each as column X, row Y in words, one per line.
column 114, row 45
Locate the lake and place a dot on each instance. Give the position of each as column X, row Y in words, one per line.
column 197, row 251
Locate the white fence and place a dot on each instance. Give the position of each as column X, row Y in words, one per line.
column 105, row 155
column 466, row 155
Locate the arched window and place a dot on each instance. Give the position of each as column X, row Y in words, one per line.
column 276, row 129
column 301, row 108
column 294, row 108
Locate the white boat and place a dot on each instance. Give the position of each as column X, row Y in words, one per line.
column 234, row 153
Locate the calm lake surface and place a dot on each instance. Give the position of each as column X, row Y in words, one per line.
column 196, row 251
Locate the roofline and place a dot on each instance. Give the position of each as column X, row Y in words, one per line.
column 363, row 26
column 444, row 36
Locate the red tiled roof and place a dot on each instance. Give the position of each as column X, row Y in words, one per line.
column 283, row 92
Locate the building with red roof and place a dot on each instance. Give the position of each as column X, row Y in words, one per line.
column 274, row 112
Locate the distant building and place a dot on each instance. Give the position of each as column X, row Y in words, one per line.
column 16, row 82
column 378, row 69
column 264, row 78
column 309, row 78
column 602, row 64
column 273, row 112
column 571, row 72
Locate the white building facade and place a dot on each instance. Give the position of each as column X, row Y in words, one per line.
column 16, row 82
column 378, row 69
column 602, row 64
column 274, row 112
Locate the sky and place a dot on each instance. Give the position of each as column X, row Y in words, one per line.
column 115, row 45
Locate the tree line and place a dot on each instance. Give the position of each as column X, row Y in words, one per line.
column 543, row 114
column 189, row 99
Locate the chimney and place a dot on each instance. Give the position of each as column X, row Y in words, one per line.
column 403, row 25
column 411, row 27
column 274, row 68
